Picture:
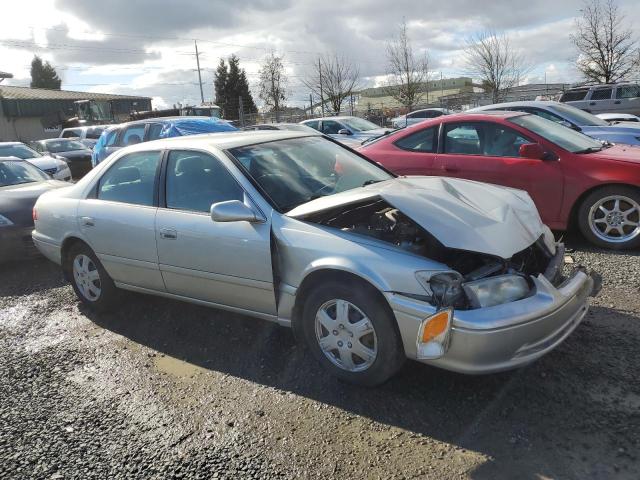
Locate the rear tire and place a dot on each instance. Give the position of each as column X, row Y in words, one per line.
column 361, row 345
column 609, row 217
column 91, row 282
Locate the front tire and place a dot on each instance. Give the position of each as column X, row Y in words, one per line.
column 91, row 282
column 352, row 332
column 610, row 217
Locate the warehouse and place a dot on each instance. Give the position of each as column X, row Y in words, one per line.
column 33, row 113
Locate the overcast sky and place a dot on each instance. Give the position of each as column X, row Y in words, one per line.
column 145, row 47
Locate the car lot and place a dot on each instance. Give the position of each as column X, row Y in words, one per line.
column 163, row 389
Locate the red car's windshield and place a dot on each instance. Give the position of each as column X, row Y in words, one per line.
column 560, row 135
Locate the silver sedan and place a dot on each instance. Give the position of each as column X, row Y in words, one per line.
column 367, row 268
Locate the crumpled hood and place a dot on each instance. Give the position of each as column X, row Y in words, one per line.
column 461, row 214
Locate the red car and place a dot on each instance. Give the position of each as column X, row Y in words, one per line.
column 572, row 178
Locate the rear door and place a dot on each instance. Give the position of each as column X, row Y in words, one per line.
column 627, row 99
column 118, row 220
column 224, row 263
column 576, row 97
column 489, row 152
column 601, row 100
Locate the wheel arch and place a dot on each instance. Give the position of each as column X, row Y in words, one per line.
column 330, row 274
column 575, row 208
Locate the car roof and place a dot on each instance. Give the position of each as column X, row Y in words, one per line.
column 524, row 103
column 343, row 117
column 11, row 143
column 11, row 159
column 222, row 140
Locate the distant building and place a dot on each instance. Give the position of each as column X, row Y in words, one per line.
column 531, row 91
column 33, row 113
column 379, row 97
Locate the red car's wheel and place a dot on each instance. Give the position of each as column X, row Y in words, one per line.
column 610, row 217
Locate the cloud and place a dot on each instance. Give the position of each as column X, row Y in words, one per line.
column 147, row 42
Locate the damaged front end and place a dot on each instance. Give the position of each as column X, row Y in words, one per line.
column 476, row 280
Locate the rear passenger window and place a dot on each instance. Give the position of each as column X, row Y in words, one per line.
column 131, row 179
column 154, row 131
column 196, row 180
column 421, row 141
column 601, row 94
column 315, row 124
column 133, row 135
column 628, row 91
column 70, row 134
column 574, row 95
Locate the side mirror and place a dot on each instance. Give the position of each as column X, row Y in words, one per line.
column 233, row 211
column 344, row 131
column 534, row 151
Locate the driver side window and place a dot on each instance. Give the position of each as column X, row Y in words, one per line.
column 330, row 127
column 196, row 180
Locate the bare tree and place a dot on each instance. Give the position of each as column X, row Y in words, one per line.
column 491, row 57
column 408, row 72
column 273, row 83
column 333, row 78
column 606, row 47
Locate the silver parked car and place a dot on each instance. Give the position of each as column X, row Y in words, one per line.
column 614, row 98
column 418, row 116
column 368, row 268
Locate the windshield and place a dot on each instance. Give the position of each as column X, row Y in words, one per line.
column 562, row 136
column 15, row 173
column 359, row 124
column 18, row 150
column 295, row 171
column 55, row 146
column 579, row 117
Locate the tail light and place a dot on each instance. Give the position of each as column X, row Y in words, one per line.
column 34, row 214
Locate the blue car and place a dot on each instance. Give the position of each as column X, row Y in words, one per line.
column 575, row 118
column 125, row 134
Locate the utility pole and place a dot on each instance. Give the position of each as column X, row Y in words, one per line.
column 199, row 74
column 441, row 90
column 240, row 111
column 321, row 91
column 311, row 105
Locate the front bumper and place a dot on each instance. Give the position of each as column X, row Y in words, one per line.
column 16, row 243
column 505, row 336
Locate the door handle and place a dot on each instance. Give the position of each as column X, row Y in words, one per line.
column 168, row 233
column 617, row 102
column 592, row 103
column 87, row 221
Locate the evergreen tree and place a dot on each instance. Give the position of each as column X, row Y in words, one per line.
column 230, row 84
column 43, row 75
column 220, row 85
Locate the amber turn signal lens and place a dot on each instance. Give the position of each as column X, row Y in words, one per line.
column 436, row 325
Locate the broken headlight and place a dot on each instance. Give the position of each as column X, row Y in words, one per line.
column 444, row 288
column 496, row 290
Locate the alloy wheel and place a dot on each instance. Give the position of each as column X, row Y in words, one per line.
column 615, row 219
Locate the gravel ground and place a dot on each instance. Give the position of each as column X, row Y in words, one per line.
column 168, row 390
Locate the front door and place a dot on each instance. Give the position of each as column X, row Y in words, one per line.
column 224, row 263
column 119, row 221
column 489, row 152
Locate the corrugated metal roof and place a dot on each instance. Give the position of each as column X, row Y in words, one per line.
column 10, row 92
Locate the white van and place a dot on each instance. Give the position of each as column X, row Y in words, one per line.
column 618, row 98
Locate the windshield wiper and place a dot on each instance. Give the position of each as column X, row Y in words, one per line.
column 370, row 182
column 590, row 150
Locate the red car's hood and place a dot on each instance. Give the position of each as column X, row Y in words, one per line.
column 622, row 153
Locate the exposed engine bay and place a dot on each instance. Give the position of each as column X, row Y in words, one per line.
column 378, row 219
